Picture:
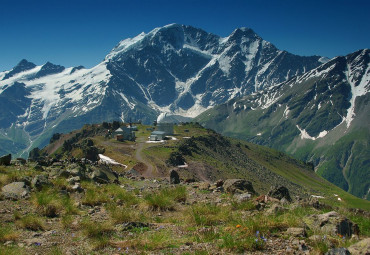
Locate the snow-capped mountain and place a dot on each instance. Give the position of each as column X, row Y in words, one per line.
column 322, row 116
column 174, row 69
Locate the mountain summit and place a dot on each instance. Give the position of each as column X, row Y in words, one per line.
column 173, row 69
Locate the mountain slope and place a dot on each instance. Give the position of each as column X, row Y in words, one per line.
column 174, row 69
column 322, row 116
column 208, row 157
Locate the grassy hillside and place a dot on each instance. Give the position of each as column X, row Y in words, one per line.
column 209, row 156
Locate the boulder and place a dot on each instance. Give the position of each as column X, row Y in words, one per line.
column 174, row 177
column 360, row 248
column 5, row 160
column 38, row 167
column 238, row 186
column 103, row 174
column 15, row 190
column 76, row 170
column 338, row 251
column 280, row 192
column 39, row 181
column 21, row 161
column 243, row 197
column 74, row 180
column 332, row 223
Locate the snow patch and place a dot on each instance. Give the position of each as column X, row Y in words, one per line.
column 305, row 135
column 109, row 161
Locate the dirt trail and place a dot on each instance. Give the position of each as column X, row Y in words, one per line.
column 139, row 157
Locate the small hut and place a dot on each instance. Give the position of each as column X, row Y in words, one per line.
column 124, row 133
column 157, row 136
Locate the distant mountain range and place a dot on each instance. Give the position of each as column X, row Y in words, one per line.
column 175, row 69
column 322, row 116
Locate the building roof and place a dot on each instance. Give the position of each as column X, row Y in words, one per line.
column 158, row 133
column 119, row 130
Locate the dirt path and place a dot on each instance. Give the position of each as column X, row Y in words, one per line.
column 139, row 157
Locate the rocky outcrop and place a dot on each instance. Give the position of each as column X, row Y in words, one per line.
column 238, row 186
column 5, row 160
column 360, row 248
column 332, row 223
column 174, row 177
column 15, row 191
column 280, row 192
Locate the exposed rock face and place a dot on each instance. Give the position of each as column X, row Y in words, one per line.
column 280, row 193
column 332, row 223
column 174, row 177
column 238, row 186
column 360, row 248
column 243, row 197
column 15, row 190
column 5, row 160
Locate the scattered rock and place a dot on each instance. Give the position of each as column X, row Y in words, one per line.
column 174, row 177
column 77, row 187
column 5, row 160
column 338, row 251
column 360, row 248
column 38, row 167
column 15, row 190
column 275, row 209
column 296, row 232
column 76, row 170
column 39, row 181
column 203, row 186
column 238, row 186
column 219, row 183
column 332, row 223
column 74, row 179
column 243, row 197
column 280, row 193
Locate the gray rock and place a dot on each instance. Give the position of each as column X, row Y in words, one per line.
column 243, row 197
column 5, row 160
column 74, row 179
column 76, row 170
column 40, row 181
column 238, row 186
column 296, row 232
column 103, row 174
column 338, row 251
column 360, row 248
column 15, row 190
column 275, row 209
column 280, row 192
column 332, row 223
column 77, row 187
column 174, row 177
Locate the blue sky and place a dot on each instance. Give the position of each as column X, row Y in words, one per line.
column 82, row 32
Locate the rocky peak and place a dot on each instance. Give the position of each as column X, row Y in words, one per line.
column 22, row 66
column 48, row 69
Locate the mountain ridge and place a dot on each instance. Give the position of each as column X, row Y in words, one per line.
column 321, row 116
column 174, row 69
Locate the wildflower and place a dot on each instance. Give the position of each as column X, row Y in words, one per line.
column 257, row 233
column 256, row 240
column 238, row 226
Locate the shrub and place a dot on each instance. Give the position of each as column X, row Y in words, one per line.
column 31, row 222
column 48, row 203
column 93, row 229
column 7, row 234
